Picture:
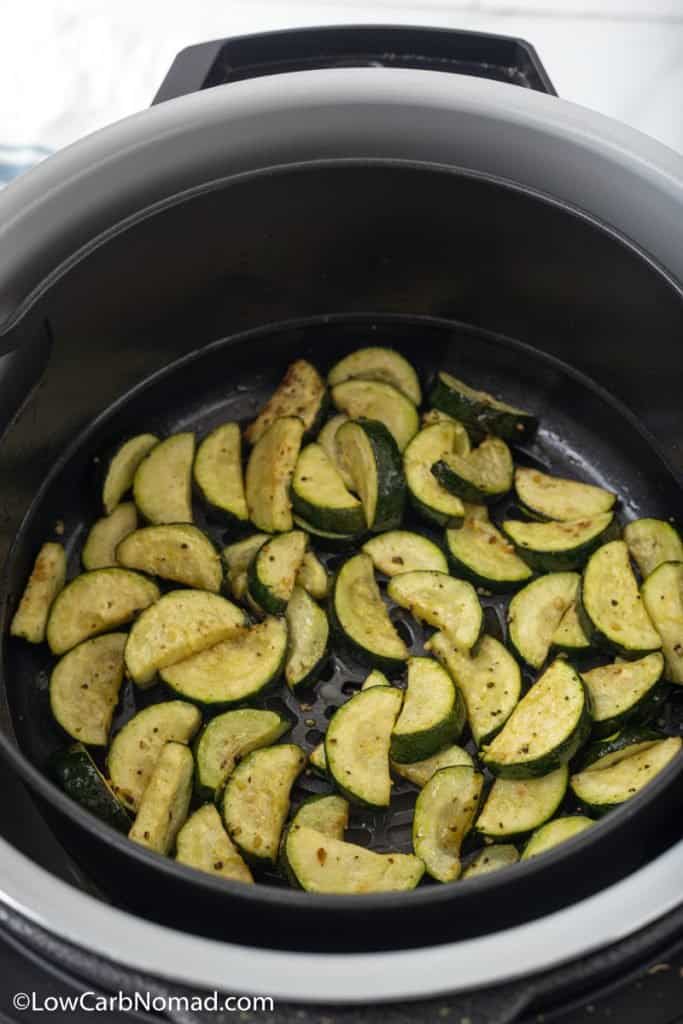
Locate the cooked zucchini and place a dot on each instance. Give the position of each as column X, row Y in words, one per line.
column 375, row 400
column 333, row 541
column 569, row 635
column 369, row 453
column 232, row 670
column 554, row 833
column 651, row 542
column 327, row 439
column 360, row 616
column 256, row 799
column 76, row 773
column 480, row 410
column 320, row 496
column 204, row 844
column 624, row 692
column 517, row 806
column 96, row 602
column 480, row 553
column 180, row 624
column 448, row 604
column 426, row 494
column 611, row 611
column 218, row 472
column 312, row 576
column 376, row 363
column 357, row 745
column 166, row 800
column 551, row 497
column 273, row 569
column 402, row 551
column 489, row 680
column 44, row 584
column 227, row 739
column 663, row 600
column 300, row 393
column 326, row 814
column 178, row 552
column 420, row 772
column 84, row 688
column 136, row 747
column 122, row 467
column 444, row 813
column 375, row 678
column 162, row 486
column 236, row 558
column 491, row 859
column 550, row 723
column 433, row 713
column 432, row 416
column 317, row 760
column 269, row 474
column 308, row 632
column 99, row 550
column 484, row 475
column 599, row 790
column 559, row 547
column 603, row 753
column 320, row 863
column 535, row 613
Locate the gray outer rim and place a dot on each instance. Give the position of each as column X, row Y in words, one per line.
column 147, row 948
column 55, row 214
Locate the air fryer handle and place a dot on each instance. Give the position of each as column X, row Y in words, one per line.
column 482, row 54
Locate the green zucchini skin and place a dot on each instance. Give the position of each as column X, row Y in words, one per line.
column 425, row 677
column 332, row 541
column 543, row 765
column 459, row 483
column 476, row 410
column 391, row 485
column 315, row 478
column 462, row 545
column 641, row 710
column 630, row 736
column 653, row 760
column 366, row 655
column 76, row 773
column 567, row 560
column 217, row 475
column 651, row 542
column 555, row 832
column 226, row 740
column 263, row 593
column 378, row 363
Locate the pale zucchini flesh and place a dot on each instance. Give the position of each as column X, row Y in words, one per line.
column 312, row 576
column 204, row 844
column 502, row 855
column 535, row 613
column 663, row 599
column 122, row 467
column 375, row 678
column 308, row 633
column 432, row 716
column 84, row 688
column 301, row 393
column 166, row 800
column 611, row 610
column 569, row 635
column 444, row 813
column 377, row 363
column 357, row 745
column 554, row 833
column 361, row 615
column 559, row 546
column 326, row 814
column 236, row 558
column 420, row 772
column 162, row 486
column 44, row 584
column 320, row 496
column 369, row 453
column 651, row 542
column 553, row 497
column 227, row 739
column 273, row 570
column 218, row 473
column 434, row 442
column 320, row 863
column 327, row 439
column 375, row 400
column 400, row 551
column 483, row 475
column 99, row 550
column 448, row 604
column 480, row 553
column 606, row 788
column 177, row 551
column 515, row 807
column 623, row 692
column 269, row 474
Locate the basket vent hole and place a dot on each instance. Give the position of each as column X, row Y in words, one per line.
column 350, row 687
column 314, row 736
column 359, row 836
column 328, row 671
column 403, row 625
column 399, row 834
column 329, row 711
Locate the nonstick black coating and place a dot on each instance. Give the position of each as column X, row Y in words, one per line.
column 583, row 433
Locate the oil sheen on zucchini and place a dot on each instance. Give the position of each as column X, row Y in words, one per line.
column 400, row 551
column 480, row 410
column 480, row 553
column 166, row 800
column 375, row 400
column 204, row 844
column 651, row 542
column 320, row 863
column 273, row 570
column 361, row 617
column 162, row 486
column 218, row 472
column 552, row 497
column 554, row 833
column 76, row 773
column 444, row 813
column 269, row 474
column 483, row 476
column 420, row 772
column 515, row 807
column 535, row 613
column 433, row 713
column 369, row 454
column 226, row 740
column 301, row 393
column 120, row 472
column 308, row 632
column 84, row 688
column 559, row 547
column 434, row 442
column 99, row 550
column 376, row 363
column 320, row 496
column 357, row 745
column 624, row 692
column 599, row 791
column 448, row 604
column 178, row 552
column 663, row 599
column 44, row 584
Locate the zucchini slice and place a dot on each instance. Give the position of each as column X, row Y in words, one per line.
column 178, row 552
column 96, row 602
column 273, row 570
column 326, row 814
column 180, row 624
column 535, row 613
column 375, row 678
column 357, row 745
column 361, row 618
column 327, row 439
column 233, row 670
column 484, row 475
column 162, row 486
column 651, row 542
column 256, row 799
column 624, row 692
column 552, row 497
column 218, row 472
column 369, row 453
column 136, row 747
column 308, row 632
column 44, row 584
column 317, row 760
column 517, row 806
column 320, row 496
column 480, row 410
column 122, row 467
column 320, row 863
column 569, row 635
column 501, row 855
column 377, row 363
column 76, row 773
column 84, row 688
column 99, row 550
column 546, row 728
column 333, row 541
column 312, row 576
column 402, row 551
column 166, row 800
column 489, row 680
column 226, row 740
column 300, row 393
column 204, row 844
column 448, row 604
column 663, row 599
column 236, row 558
column 420, row 772
column 599, row 790
column 554, row 833
column 428, row 497
column 444, row 813
column 559, row 547
column 603, row 753
column 433, row 713
column 375, row 400
column 480, row 553
column 269, row 474
column 611, row 611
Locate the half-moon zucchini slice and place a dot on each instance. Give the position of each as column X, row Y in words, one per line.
column 272, row 573
column 320, row 863
column 663, row 599
column 502, row 855
column 480, row 410
column 603, row 753
column 166, row 800
column 375, row 400
column 320, row 496
column 444, row 813
column 515, row 807
column 624, row 692
column 84, row 688
column 400, row 551
column 420, row 772
column 76, row 773
column 269, row 474
column 559, row 546
column 369, row 453
column 361, row 617
column 177, row 551
column 377, row 363
column 44, row 584
column 99, row 550
column 227, row 739
column 328, row 814
column 484, row 475
column 236, row 558
column 312, row 576
column 480, row 553
column 204, row 844
column 535, row 613
column 448, row 604
column 120, row 472
column 569, row 636
column 357, row 745
column 300, row 393
column 651, row 542
column 308, row 632
column 162, row 486
column 433, row 712
column 434, row 442
column 601, row 790
column 554, row 833
column 327, row 439
column 552, row 497
column 218, row 472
